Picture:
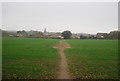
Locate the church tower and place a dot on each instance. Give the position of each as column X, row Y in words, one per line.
column 45, row 30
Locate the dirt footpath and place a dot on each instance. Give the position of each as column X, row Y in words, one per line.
column 63, row 71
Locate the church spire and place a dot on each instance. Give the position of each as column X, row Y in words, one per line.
column 45, row 30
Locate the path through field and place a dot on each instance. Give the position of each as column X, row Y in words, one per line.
column 63, row 71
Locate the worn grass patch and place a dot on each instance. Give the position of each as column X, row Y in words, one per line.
column 93, row 59
column 29, row 58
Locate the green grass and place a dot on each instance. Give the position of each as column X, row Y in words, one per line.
column 93, row 59
column 29, row 58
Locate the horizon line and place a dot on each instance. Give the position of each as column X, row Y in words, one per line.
column 59, row 31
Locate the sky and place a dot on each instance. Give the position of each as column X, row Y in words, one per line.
column 78, row 17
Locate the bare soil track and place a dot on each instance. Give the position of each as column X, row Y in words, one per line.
column 63, row 71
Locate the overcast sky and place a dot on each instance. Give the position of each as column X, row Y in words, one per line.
column 87, row 17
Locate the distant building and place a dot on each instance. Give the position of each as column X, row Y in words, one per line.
column 56, row 36
column 45, row 33
column 11, row 35
column 45, row 30
column 101, row 35
column 75, row 37
column 19, row 35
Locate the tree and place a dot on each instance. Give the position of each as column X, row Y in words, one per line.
column 66, row 34
column 18, row 32
column 114, row 34
column 23, row 33
column 83, row 37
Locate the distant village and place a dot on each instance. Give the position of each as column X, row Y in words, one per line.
column 57, row 35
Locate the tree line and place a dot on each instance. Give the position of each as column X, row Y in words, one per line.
column 65, row 34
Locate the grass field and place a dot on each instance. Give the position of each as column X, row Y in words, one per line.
column 93, row 59
column 28, row 58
